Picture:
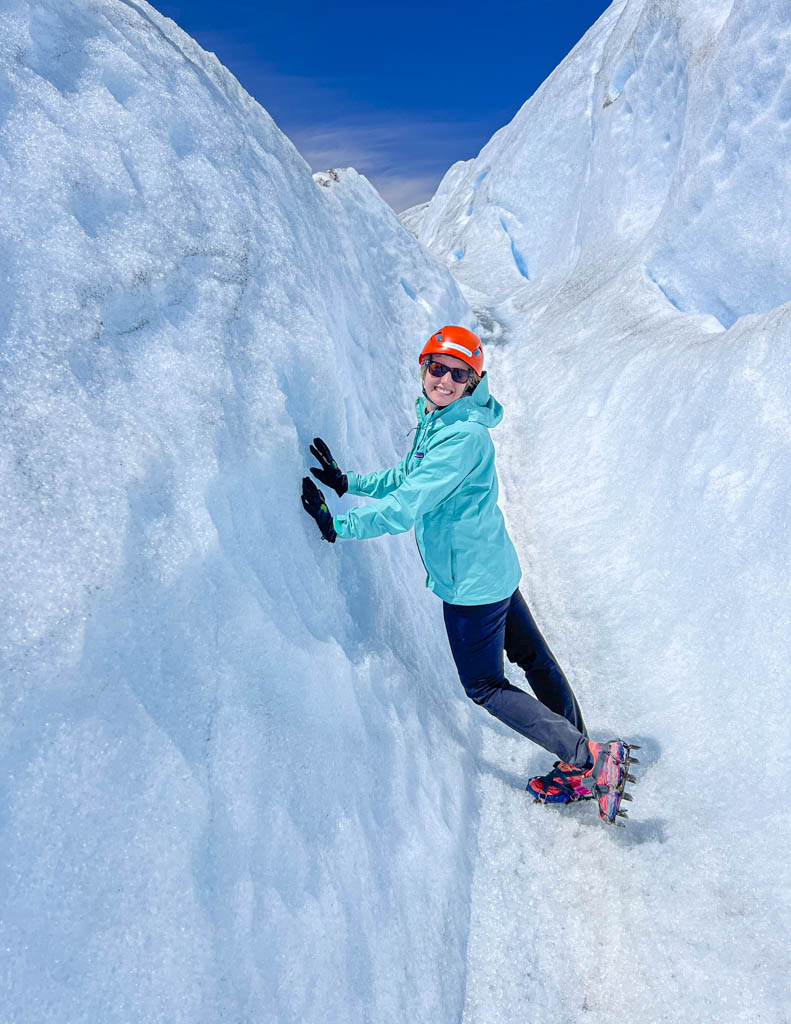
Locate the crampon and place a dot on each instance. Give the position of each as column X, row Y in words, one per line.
column 610, row 774
column 604, row 780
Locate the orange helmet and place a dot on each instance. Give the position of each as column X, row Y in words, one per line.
column 458, row 342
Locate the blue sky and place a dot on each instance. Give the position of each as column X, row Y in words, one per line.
column 399, row 91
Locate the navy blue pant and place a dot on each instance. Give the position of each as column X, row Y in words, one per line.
column 478, row 634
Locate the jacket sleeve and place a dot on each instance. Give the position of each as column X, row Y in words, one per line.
column 443, row 468
column 377, row 485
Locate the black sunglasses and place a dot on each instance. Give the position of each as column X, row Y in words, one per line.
column 461, row 374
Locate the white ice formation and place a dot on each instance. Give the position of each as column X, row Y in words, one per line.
column 236, row 780
column 239, row 779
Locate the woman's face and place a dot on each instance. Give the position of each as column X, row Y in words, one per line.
column 444, row 390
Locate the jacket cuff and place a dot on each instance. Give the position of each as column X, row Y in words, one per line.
column 342, row 527
column 351, row 480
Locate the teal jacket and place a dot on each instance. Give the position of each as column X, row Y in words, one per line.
column 446, row 488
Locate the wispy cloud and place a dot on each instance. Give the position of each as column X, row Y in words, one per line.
column 403, row 155
column 404, row 158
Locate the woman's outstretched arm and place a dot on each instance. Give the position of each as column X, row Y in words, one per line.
column 443, row 468
column 379, row 483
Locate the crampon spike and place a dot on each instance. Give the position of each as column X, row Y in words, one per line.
column 626, row 796
column 622, row 814
column 630, row 778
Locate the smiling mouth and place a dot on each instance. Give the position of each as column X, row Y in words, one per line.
column 443, row 391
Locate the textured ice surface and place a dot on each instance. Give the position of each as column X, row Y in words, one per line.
column 235, row 765
column 663, row 139
column 645, row 470
column 645, row 460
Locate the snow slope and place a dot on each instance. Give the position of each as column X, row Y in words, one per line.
column 235, row 765
column 626, row 242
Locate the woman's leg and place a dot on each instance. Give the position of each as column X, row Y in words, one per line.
column 526, row 647
column 477, row 636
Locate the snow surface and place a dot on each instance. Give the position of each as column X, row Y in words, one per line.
column 237, row 771
column 239, row 779
column 645, row 460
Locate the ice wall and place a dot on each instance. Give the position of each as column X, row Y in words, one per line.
column 663, row 139
column 233, row 757
column 643, row 363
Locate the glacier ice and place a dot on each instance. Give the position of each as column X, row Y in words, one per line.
column 644, row 462
column 236, row 765
column 239, row 779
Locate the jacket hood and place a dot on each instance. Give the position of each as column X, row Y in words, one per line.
column 479, row 407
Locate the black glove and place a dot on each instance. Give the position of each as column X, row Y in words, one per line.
column 314, row 504
column 329, row 473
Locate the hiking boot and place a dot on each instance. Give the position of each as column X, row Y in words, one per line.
column 603, row 778
column 565, row 784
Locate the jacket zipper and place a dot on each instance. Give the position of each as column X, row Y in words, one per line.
column 420, row 436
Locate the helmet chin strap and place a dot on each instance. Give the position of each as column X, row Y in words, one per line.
column 428, row 399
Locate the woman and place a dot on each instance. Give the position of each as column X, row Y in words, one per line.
column 446, row 489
